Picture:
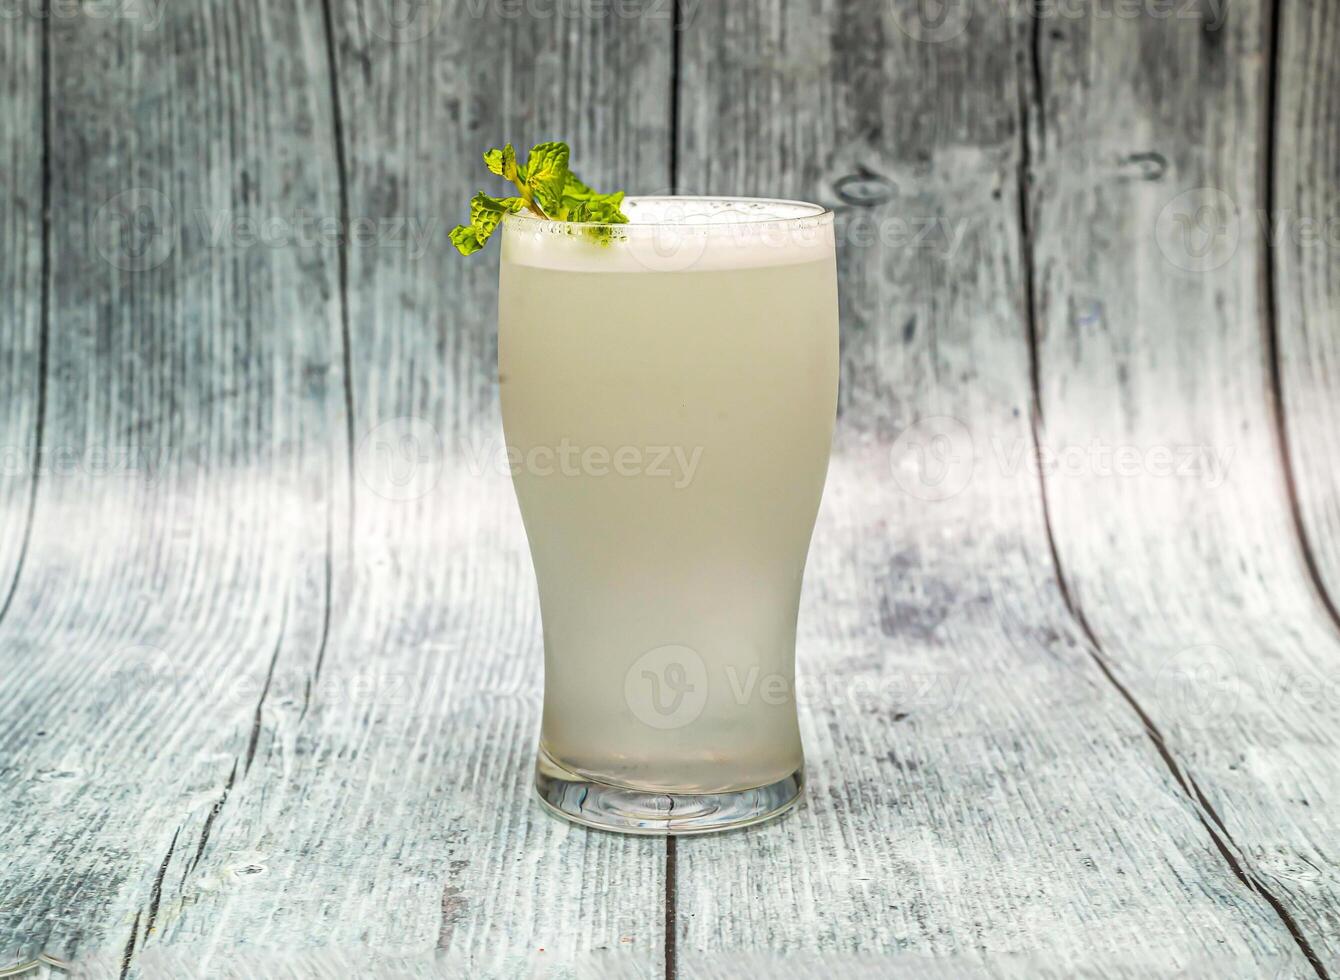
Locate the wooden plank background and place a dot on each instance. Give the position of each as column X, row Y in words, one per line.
column 1069, row 648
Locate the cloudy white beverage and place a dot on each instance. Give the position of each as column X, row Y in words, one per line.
column 668, row 395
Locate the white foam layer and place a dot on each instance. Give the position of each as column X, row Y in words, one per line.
column 677, row 234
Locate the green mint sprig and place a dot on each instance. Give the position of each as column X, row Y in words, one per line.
column 545, row 187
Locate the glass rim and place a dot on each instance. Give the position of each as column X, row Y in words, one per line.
column 816, row 213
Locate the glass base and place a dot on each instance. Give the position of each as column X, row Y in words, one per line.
column 628, row 811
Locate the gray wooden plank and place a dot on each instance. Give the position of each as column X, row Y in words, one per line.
column 21, row 194
column 170, row 583
column 1133, row 964
column 410, row 757
column 1179, row 550
column 1305, row 232
column 978, row 787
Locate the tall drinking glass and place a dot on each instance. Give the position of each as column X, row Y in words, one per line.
column 668, row 394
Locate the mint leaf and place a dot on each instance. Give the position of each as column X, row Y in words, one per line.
column 485, row 213
column 503, row 163
column 599, row 213
column 545, row 186
column 576, row 190
column 581, row 203
column 547, row 175
column 465, row 240
column 601, row 209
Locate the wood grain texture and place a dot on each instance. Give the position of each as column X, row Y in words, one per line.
column 177, row 561
column 1179, row 552
column 271, row 672
column 407, row 755
column 21, row 287
column 1306, row 251
column 997, row 795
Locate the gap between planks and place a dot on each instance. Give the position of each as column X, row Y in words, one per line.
column 44, row 315
column 671, row 967
column 1270, row 317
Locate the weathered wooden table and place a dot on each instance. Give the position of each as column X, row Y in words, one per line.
column 1070, row 648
